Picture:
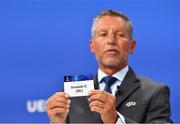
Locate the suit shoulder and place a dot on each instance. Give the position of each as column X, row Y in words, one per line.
column 149, row 84
column 151, row 88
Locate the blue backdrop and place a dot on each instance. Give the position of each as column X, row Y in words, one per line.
column 43, row 40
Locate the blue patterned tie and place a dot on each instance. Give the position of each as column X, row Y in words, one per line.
column 109, row 81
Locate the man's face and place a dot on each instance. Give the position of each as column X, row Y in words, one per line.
column 111, row 42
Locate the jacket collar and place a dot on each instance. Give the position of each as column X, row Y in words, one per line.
column 129, row 84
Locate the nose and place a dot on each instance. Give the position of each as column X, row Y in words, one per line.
column 111, row 39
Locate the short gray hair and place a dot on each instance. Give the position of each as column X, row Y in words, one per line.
column 111, row 12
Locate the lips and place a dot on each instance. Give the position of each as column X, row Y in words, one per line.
column 111, row 51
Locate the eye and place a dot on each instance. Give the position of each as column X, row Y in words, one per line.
column 120, row 35
column 103, row 34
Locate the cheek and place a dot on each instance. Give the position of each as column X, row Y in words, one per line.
column 98, row 47
column 98, row 50
column 125, row 48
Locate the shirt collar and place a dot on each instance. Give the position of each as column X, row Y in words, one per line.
column 119, row 75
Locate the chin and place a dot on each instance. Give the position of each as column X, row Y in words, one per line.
column 113, row 63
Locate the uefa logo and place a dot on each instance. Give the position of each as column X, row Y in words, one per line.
column 33, row 106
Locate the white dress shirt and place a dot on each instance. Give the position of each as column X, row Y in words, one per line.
column 120, row 76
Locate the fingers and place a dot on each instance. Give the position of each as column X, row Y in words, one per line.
column 61, row 94
column 59, row 99
column 97, row 95
column 55, row 111
column 58, row 103
column 97, row 109
column 97, row 100
column 96, row 103
column 101, row 101
column 97, row 106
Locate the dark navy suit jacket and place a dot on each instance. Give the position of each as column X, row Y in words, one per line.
column 138, row 99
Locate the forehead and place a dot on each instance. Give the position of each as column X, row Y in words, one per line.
column 111, row 22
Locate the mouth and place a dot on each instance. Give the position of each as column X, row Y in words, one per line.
column 111, row 51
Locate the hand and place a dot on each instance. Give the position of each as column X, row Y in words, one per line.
column 57, row 107
column 104, row 103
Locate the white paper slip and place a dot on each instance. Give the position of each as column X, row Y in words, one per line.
column 78, row 88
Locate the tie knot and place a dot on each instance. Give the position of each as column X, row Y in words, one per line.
column 109, row 80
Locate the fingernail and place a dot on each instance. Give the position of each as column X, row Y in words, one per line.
column 67, row 110
column 67, row 96
column 68, row 106
column 92, row 108
column 89, row 99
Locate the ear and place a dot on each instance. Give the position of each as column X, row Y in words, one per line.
column 133, row 46
column 92, row 47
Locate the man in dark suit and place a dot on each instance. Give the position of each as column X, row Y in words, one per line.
column 120, row 96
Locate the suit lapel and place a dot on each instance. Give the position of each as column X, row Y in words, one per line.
column 96, row 84
column 128, row 85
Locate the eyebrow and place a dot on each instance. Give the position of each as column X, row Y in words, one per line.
column 104, row 30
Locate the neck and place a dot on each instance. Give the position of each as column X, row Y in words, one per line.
column 111, row 70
